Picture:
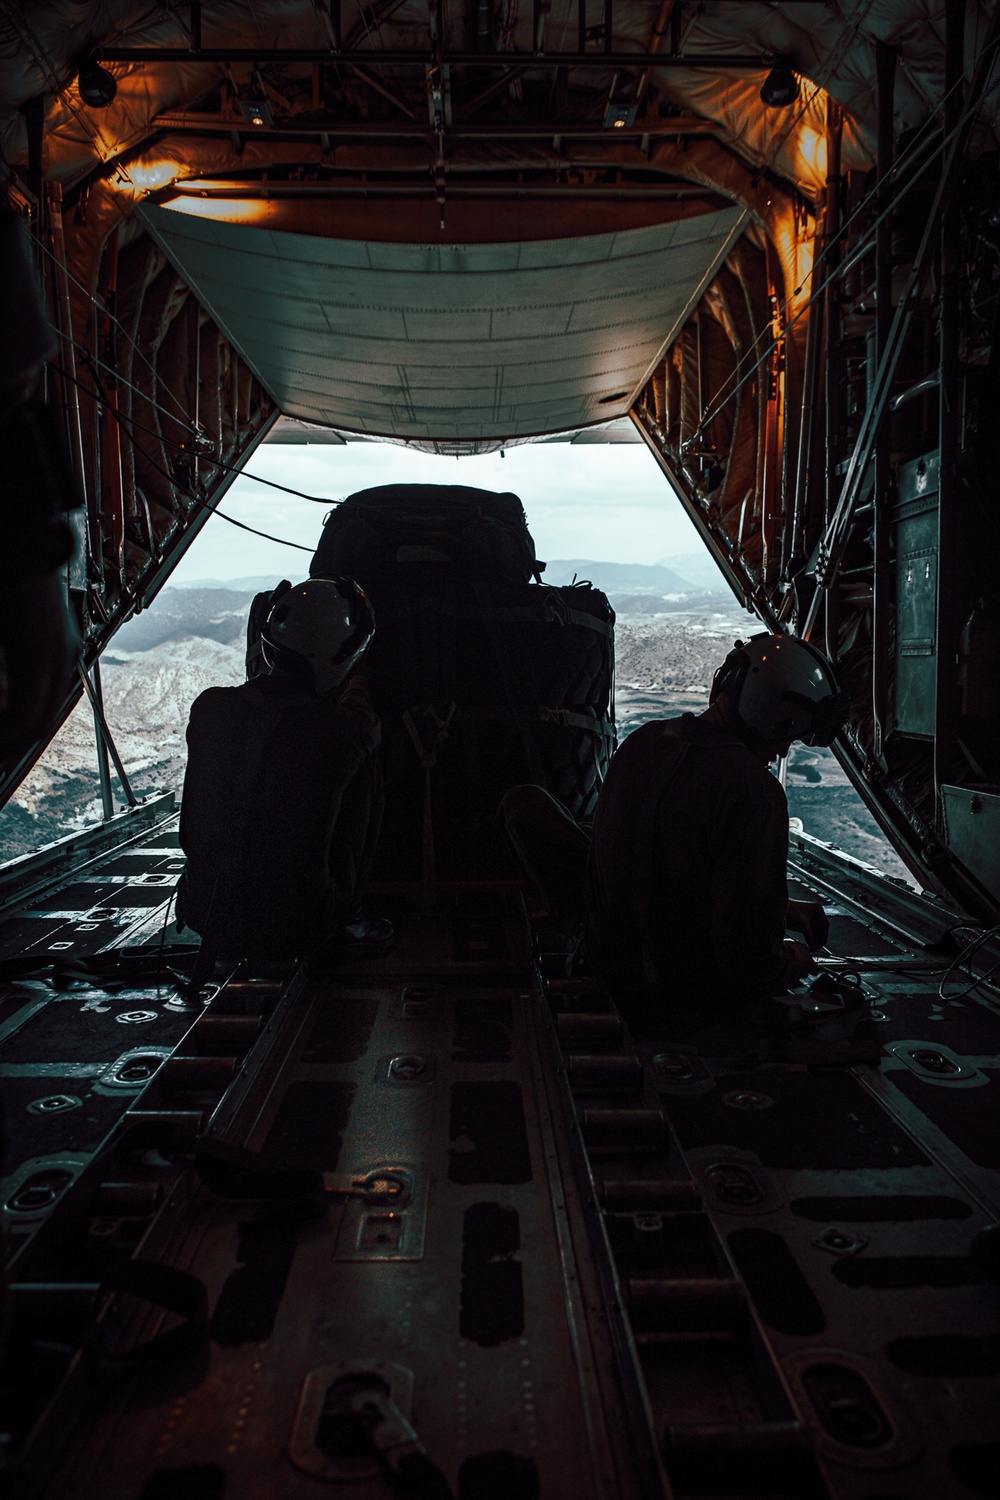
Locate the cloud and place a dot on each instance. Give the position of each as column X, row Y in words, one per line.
column 606, row 502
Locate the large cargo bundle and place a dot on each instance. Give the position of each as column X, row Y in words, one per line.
column 378, row 532
column 481, row 678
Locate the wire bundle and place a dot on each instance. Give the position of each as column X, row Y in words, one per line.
column 964, row 960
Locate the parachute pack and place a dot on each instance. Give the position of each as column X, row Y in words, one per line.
column 482, row 678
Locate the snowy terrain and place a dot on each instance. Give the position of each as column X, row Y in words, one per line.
column 664, row 665
column 147, row 697
column 193, row 638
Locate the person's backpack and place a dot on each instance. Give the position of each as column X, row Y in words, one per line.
column 426, row 529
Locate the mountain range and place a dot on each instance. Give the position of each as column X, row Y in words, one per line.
column 193, row 638
column 691, row 574
column 646, row 578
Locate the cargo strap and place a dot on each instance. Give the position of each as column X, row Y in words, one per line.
column 559, row 609
column 554, row 614
column 233, row 1172
column 255, row 664
column 509, row 676
column 137, row 965
column 538, row 714
column 428, row 759
column 174, row 1290
column 546, row 614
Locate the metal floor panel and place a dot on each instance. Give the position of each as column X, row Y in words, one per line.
column 477, row 1295
column 843, row 1200
column 703, row 1265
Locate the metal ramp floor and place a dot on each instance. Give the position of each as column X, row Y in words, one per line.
column 559, row 1262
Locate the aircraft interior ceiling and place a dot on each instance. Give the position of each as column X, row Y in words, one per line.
column 329, row 329
column 767, row 233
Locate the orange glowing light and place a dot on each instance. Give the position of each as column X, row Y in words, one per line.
column 228, row 210
column 805, row 249
column 811, row 146
column 148, row 176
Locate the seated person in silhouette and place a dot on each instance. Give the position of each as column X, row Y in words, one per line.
column 39, row 639
column 682, row 882
column 282, row 799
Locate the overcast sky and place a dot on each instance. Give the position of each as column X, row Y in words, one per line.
column 605, row 502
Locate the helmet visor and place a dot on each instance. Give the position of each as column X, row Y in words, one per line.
column 826, row 717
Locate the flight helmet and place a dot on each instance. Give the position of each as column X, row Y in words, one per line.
column 317, row 632
column 782, row 689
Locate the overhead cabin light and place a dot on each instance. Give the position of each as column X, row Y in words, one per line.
column 257, row 112
column 97, row 86
column 780, row 88
column 618, row 116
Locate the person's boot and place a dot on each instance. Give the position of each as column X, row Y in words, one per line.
column 358, row 938
column 364, row 937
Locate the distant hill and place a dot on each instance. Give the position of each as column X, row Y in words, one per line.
column 621, row 578
column 700, row 568
column 147, row 698
column 254, row 584
column 695, row 572
column 218, row 614
column 682, row 605
column 218, row 611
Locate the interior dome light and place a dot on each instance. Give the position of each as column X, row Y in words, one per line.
column 257, row 112
column 97, row 86
column 780, row 88
column 619, row 116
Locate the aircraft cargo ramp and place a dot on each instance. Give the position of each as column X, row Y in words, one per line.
column 438, row 1226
